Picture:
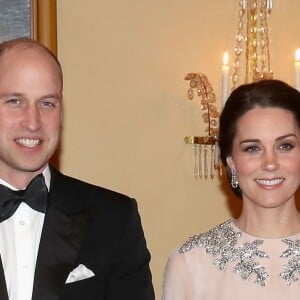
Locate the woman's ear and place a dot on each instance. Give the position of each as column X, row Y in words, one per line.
column 230, row 163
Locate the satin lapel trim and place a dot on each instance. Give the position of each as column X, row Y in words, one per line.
column 60, row 243
column 3, row 288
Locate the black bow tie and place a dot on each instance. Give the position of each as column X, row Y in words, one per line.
column 35, row 195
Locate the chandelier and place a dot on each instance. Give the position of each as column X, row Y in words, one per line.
column 251, row 51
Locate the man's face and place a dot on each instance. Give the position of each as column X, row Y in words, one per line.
column 30, row 111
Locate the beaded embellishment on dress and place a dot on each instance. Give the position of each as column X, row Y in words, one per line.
column 293, row 265
column 221, row 243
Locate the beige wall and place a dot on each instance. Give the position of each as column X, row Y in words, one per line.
column 126, row 111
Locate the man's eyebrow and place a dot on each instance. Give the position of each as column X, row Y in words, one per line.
column 12, row 94
column 21, row 95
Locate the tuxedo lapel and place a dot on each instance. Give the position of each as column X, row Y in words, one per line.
column 3, row 288
column 60, row 243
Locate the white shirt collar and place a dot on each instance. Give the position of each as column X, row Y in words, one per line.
column 46, row 174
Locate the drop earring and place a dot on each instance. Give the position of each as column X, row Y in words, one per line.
column 234, row 180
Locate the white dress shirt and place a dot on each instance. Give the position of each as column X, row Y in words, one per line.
column 19, row 243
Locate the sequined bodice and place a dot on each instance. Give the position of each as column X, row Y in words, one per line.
column 247, row 258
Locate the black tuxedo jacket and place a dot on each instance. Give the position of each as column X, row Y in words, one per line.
column 98, row 228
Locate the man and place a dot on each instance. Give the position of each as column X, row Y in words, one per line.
column 81, row 241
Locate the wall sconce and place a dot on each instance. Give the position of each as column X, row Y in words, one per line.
column 210, row 116
column 252, row 40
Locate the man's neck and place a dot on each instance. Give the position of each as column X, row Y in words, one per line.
column 21, row 182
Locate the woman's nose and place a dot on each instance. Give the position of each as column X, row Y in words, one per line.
column 270, row 162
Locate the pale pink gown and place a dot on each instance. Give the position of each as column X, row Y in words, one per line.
column 193, row 274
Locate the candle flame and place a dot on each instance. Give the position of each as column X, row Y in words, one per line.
column 226, row 58
column 297, row 55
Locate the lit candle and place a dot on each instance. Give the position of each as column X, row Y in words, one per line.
column 297, row 68
column 225, row 77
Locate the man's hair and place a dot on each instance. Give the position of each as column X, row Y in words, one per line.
column 26, row 43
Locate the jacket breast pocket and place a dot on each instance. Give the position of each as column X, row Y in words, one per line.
column 86, row 289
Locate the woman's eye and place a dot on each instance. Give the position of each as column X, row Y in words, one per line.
column 286, row 146
column 251, row 149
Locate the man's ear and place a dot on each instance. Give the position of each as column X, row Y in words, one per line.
column 230, row 163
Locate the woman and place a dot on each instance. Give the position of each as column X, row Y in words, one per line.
column 256, row 256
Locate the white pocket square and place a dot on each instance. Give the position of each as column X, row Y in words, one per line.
column 79, row 273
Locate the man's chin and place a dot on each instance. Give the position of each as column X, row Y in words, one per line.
column 32, row 167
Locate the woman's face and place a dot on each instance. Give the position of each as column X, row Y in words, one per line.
column 266, row 156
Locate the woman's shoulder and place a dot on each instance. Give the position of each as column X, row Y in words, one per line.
column 194, row 255
column 212, row 239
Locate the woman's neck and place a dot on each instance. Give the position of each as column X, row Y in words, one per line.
column 269, row 222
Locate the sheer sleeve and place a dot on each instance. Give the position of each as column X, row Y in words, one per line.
column 176, row 278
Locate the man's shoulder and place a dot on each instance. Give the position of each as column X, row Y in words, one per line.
column 90, row 194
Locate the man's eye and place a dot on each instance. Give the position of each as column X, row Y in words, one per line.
column 13, row 101
column 47, row 104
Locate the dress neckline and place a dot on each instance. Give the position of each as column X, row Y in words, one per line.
column 249, row 236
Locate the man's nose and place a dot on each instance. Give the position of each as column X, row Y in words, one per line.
column 32, row 118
